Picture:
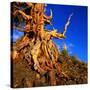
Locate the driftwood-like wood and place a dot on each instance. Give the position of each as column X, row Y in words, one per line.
column 42, row 52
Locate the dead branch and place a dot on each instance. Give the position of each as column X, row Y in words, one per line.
column 67, row 24
column 29, row 4
column 26, row 17
column 48, row 17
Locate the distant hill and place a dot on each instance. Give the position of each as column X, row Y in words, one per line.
column 74, row 71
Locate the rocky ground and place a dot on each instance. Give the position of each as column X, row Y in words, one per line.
column 73, row 72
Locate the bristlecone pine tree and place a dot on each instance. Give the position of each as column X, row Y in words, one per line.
column 35, row 47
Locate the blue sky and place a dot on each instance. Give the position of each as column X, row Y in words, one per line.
column 76, row 35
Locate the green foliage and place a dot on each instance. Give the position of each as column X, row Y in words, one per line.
column 75, row 59
column 64, row 52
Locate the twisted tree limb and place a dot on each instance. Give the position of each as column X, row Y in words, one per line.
column 67, row 24
column 23, row 14
column 61, row 35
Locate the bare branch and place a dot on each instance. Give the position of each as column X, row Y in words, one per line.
column 48, row 17
column 67, row 24
column 61, row 35
column 56, row 35
column 26, row 17
column 29, row 4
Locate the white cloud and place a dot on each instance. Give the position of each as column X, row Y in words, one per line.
column 70, row 45
column 70, row 48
